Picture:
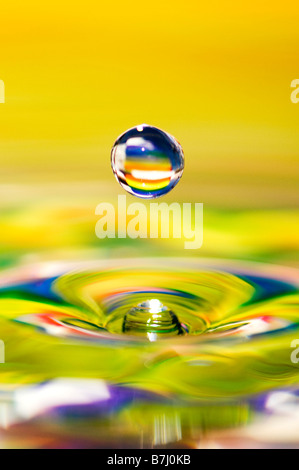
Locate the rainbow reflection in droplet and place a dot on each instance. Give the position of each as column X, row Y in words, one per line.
column 147, row 162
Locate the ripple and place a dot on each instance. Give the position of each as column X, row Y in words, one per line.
column 202, row 300
column 218, row 318
column 192, row 340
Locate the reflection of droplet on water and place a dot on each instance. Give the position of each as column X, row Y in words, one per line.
column 152, row 319
column 147, row 162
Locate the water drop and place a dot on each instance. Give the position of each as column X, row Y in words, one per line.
column 147, row 162
column 153, row 320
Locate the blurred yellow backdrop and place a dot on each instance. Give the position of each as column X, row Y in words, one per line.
column 216, row 75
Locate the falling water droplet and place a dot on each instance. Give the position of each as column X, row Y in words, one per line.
column 147, row 162
column 152, row 319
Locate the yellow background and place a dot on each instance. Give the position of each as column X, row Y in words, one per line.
column 216, row 75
